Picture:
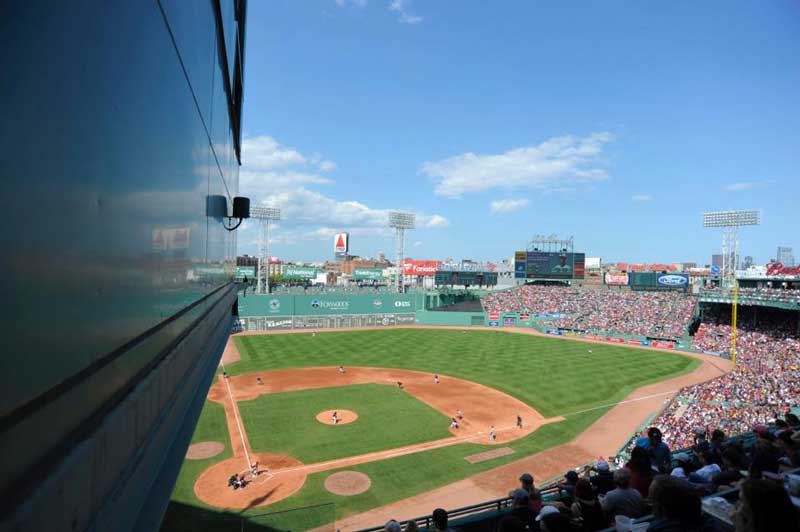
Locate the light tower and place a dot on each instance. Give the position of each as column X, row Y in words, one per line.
column 730, row 221
column 265, row 216
column 400, row 221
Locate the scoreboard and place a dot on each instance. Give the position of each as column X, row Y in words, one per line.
column 549, row 265
column 465, row 278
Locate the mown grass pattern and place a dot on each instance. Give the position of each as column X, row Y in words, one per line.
column 555, row 376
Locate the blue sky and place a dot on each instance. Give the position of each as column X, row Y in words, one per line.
column 618, row 123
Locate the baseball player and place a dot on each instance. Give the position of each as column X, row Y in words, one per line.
column 453, row 423
column 519, row 421
column 335, row 417
column 459, row 414
column 492, row 434
column 435, row 378
column 400, row 385
column 341, row 370
column 254, row 468
column 259, row 381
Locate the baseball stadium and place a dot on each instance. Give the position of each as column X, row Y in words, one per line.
column 202, row 334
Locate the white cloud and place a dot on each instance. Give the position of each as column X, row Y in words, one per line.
column 404, row 15
column 744, row 185
column 553, row 164
column 275, row 175
column 642, row 197
column 508, row 205
column 416, row 244
column 327, row 166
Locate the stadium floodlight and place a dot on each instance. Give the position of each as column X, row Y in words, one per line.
column 400, row 221
column 265, row 216
column 730, row 221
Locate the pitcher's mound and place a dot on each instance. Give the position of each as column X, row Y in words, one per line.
column 344, row 417
column 347, row 483
column 204, row 449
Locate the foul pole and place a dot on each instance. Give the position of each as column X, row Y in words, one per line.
column 734, row 312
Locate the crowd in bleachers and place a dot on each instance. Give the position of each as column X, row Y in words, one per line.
column 654, row 314
column 766, row 380
column 662, row 491
column 780, row 295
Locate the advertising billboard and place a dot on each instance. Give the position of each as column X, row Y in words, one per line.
column 341, row 243
column 672, row 280
column 420, row 267
column 367, row 274
column 167, row 239
column 550, row 265
column 300, row 273
column 617, row 278
column 245, row 271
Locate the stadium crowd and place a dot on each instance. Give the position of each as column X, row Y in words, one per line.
column 766, row 380
column 653, row 314
column 780, row 295
column 663, row 491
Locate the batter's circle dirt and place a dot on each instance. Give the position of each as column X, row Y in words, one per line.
column 204, row 449
column 267, row 488
column 344, row 417
column 347, row 483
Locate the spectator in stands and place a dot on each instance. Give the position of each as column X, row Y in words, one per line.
column 526, row 483
column 520, row 507
column 676, row 507
column 683, row 467
column 764, row 506
column 392, row 526
column 765, row 462
column 732, row 466
column 793, row 421
column 623, row 500
column 658, row 450
column 707, row 471
column 603, row 480
column 587, row 514
column 439, row 519
column 641, row 472
column 717, row 444
column 552, row 520
column 568, row 484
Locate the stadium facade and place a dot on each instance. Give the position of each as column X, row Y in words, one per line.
column 121, row 121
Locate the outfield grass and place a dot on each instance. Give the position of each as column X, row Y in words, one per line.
column 285, row 423
column 555, row 376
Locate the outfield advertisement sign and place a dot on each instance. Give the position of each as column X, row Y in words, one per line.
column 509, row 321
column 615, row 340
column 420, row 267
column 325, row 304
column 672, row 280
column 617, row 278
column 300, row 273
column 662, row 345
column 367, row 274
column 245, row 271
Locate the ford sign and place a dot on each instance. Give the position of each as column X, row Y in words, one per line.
column 673, row 280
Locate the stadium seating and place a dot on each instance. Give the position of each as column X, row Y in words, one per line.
column 653, row 314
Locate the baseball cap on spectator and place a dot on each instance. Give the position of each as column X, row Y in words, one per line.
column 571, row 476
column 392, row 526
column 545, row 511
column 526, row 478
column 601, row 465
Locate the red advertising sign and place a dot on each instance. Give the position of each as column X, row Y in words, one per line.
column 494, row 316
column 592, row 337
column 635, row 342
column 663, row 345
column 617, row 278
column 524, row 317
column 420, row 267
column 615, row 340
